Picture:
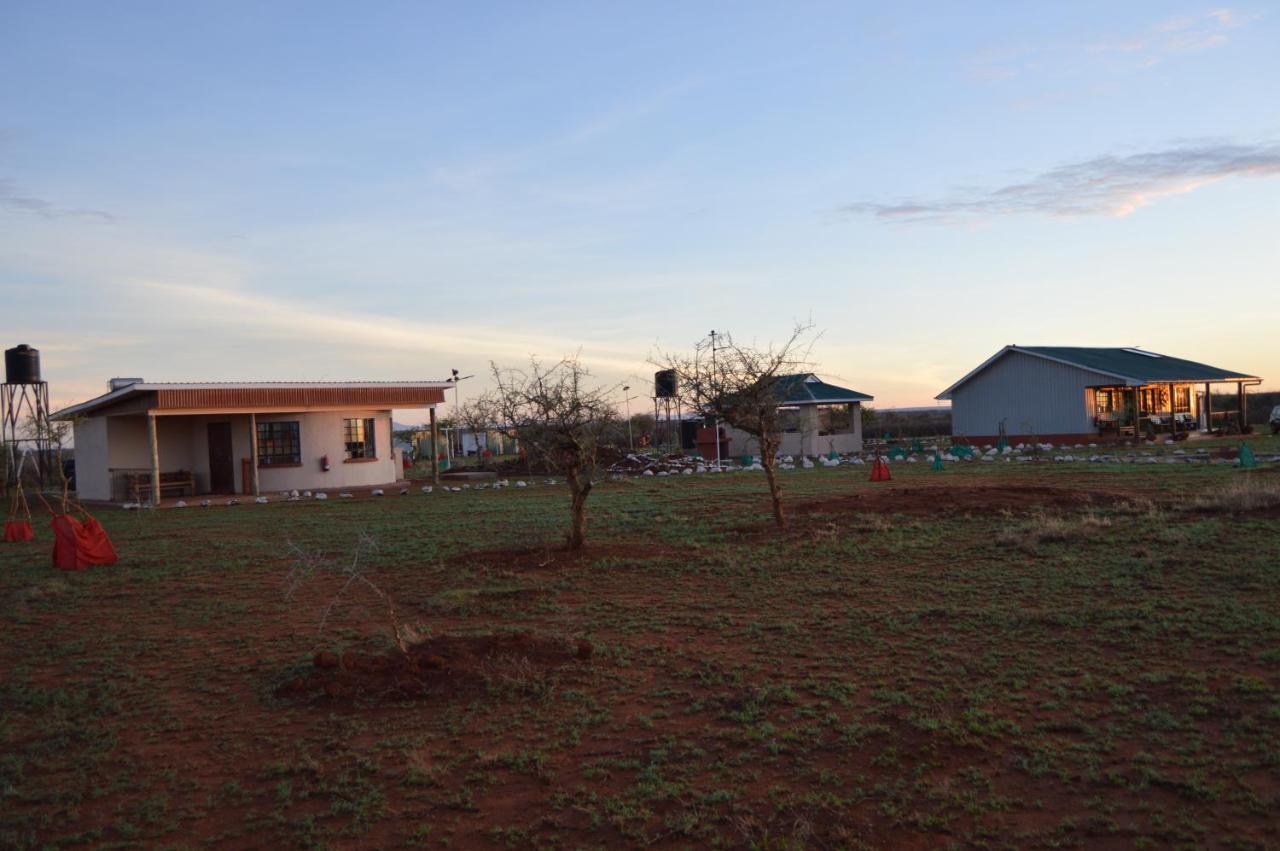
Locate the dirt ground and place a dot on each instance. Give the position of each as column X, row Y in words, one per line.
column 979, row 658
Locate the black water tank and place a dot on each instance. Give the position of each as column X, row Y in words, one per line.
column 664, row 384
column 22, row 365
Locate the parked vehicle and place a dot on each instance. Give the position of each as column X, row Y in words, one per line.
column 1275, row 420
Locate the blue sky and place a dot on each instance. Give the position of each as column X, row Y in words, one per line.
column 310, row 191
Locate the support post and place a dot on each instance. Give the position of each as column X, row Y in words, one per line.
column 435, row 447
column 154, row 440
column 1208, row 408
column 1137, row 415
column 1173, row 413
column 1244, row 407
column 253, row 453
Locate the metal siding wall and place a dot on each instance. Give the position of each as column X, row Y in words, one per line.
column 1032, row 395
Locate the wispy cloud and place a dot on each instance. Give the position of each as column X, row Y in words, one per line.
column 1182, row 34
column 1102, row 186
column 12, row 199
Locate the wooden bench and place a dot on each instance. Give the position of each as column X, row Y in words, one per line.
column 178, row 482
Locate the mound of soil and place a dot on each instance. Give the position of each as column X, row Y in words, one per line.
column 439, row 666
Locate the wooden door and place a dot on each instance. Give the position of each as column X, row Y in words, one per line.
column 222, row 469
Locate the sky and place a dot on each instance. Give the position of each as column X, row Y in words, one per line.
column 336, row 191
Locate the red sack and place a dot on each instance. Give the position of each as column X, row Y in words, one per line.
column 18, row 530
column 80, row 544
column 880, row 471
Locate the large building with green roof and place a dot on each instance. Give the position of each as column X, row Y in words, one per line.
column 1072, row 393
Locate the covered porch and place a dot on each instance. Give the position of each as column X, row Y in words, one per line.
column 1168, row 408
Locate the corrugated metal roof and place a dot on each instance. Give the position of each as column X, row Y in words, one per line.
column 1130, row 365
column 1137, row 364
column 248, row 394
column 807, row 389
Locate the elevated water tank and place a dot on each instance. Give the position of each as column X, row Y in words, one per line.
column 22, row 365
column 665, row 384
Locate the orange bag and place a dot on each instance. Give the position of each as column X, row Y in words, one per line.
column 880, row 471
column 79, row 544
column 18, row 530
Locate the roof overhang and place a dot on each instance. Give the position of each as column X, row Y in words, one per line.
column 261, row 396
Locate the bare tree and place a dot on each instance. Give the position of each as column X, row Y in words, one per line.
column 478, row 417
column 559, row 419
column 740, row 385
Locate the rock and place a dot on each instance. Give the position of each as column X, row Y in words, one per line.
column 261, row 500
column 233, row 502
column 426, row 488
column 179, row 504
column 686, row 471
column 404, row 491
column 376, row 492
column 294, row 492
column 307, row 494
column 204, row 503
column 322, row 495
column 648, row 472
column 520, row 483
column 343, row 495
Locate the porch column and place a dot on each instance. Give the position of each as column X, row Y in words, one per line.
column 253, row 453
column 154, row 441
column 1137, row 414
column 1173, row 416
column 1208, row 408
column 435, row 447
column 1244, row 406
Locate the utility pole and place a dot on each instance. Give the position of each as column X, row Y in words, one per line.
column 457, row 420
column 715, row 428
column 626, row 400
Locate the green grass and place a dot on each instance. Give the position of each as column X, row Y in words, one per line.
column 1065, row 670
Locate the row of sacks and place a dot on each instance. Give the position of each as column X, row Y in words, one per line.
column 78, row 542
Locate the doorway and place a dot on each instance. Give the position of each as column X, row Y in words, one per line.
column 222, row 471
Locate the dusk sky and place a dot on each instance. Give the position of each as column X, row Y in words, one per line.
column 312, row 191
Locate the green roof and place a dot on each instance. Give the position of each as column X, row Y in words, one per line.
column 1136, row 364
column 1130, row 365
column 807, row 389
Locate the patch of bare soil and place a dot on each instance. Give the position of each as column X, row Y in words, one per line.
column 446, row 665
column 959, row 499
column 548, row 557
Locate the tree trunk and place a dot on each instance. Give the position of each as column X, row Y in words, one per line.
column 768, row 457
column 578, row 509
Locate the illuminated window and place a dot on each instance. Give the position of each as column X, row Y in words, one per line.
column 358, row 437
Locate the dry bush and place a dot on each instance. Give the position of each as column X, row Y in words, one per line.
column 1248, row 494
column 1043, row 528
column 308, row 564
column 516, row 676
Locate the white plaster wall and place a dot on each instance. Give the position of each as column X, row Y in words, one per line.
column 321, row 434
column 92, row 480
column 121, row 443
column 803, row 442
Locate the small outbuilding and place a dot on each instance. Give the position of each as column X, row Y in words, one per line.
column 817, row 418
column 1072, row 393
column 239, row 438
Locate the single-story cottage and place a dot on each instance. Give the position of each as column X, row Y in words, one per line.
column 818, row 418
column 239, row 438
column 1072, row 393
